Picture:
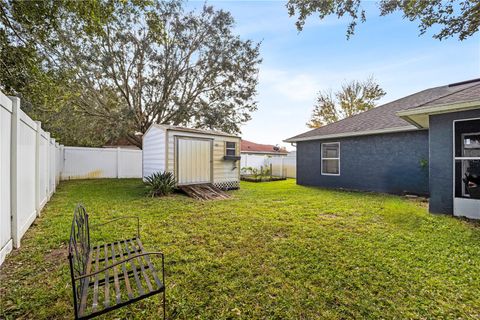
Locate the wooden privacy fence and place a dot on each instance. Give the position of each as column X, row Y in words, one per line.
column 30, row 166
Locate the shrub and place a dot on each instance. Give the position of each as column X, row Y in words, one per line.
column 250, row 171
column 160, row 183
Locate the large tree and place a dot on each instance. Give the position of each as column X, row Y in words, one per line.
column 139, row 63
column 29, row 70
column 353, row 98
column 460, row 18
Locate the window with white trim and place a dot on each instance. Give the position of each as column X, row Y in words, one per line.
column 230, row 148
column 331, row 158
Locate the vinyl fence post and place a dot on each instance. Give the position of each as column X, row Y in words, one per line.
column 62, row 157
column 48, row 167
column 54, row 165
column 57, row 164
column 282, row 167
column 37, row 167
column 15, row 226
column 118, row 162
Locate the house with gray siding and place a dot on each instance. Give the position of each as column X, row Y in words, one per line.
column 427, row 143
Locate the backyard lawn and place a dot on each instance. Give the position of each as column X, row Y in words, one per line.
column 274, row 251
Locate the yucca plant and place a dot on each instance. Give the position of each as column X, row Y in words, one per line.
column 160, row 184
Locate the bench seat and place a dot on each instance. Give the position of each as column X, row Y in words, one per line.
column 109, row 276
column 127, row 282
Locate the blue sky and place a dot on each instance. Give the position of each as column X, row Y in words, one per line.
column 297, row 65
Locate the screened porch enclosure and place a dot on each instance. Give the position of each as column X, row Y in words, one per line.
column 467, row 168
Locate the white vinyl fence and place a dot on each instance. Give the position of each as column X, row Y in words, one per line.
column 93, row 163
column 32, row 164
column 284, row 166
column 281, row 166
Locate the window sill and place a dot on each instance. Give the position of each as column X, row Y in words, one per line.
column 234, row 158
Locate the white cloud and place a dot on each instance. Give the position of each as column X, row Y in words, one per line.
column 298, row 87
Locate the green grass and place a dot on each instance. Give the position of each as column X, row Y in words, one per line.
column 274, row 251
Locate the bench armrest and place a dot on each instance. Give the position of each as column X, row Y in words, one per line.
column 119, row 218
column 157, row 253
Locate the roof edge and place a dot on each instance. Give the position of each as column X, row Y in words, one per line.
column 355, row 134
column 193, row 130
column 265, row 152
column 441, row 108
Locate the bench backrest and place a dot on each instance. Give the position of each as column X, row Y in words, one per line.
column 79, row 247
column 78, row 251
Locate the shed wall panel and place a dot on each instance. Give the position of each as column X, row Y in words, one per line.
column 154, row 151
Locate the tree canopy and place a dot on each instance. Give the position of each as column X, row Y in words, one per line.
column 28, row 70
column 353, row 98
column 121, row 66
column 460, row 18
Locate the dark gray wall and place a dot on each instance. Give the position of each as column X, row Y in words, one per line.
column 383, row 163
column 441, row 159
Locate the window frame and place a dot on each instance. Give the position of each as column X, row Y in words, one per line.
column 462, row 158
column 322, row 158
column 227, row 148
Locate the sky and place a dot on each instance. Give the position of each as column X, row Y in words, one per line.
column 297, row 65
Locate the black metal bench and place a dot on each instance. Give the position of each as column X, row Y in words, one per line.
column 123, row 263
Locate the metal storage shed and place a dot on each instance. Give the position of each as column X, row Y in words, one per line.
column 194, row 156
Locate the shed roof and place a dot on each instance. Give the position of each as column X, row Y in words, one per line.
column 195, row 130
column 384, row 118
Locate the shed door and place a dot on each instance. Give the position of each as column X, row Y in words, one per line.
column 194, row 161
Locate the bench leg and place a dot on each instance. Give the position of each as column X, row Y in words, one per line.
column 163, row 298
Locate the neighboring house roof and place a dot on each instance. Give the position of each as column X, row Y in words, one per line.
column 386, row 118
column 252, row 147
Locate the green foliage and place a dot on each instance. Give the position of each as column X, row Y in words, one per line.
column 424, row 164
column 266, row 172
column 160, row 184
column 121, row 66
column 353, row 98
column 273, row 251
column 255, row 172
column 29, row 38
column 452, row 17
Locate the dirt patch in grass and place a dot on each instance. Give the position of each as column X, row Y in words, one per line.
column 56, row 255
column 328, row 216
